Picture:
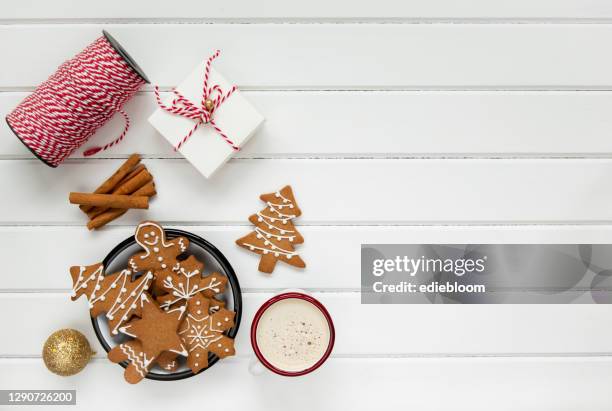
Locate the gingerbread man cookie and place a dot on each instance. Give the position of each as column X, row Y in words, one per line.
column 115, row 294
column 160, row 255
column 186, row 281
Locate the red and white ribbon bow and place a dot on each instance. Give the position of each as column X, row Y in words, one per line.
column 212, row 98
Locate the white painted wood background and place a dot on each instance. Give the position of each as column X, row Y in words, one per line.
column 475, row 121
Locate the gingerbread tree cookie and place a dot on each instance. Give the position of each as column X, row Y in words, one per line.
column 115, row 294
column 186, row 281
column 160, row 255
column 202, row 332
column 275, row 235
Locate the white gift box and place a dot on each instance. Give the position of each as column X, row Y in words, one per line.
column 206, row 149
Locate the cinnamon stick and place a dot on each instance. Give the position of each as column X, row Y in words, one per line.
column 113, row 181
column 110, row 200
column 114, row 213
column 129, row 187
column 147, row 190
column 105, row 218
column 132, row 173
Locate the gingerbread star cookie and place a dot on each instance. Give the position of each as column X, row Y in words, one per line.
column 115, row 294
column 202, row 332
column 160, row 255
column 157, row 329
column 154, row 333
column 186, row 281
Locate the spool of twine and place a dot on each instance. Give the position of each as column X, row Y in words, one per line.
column 65, row 111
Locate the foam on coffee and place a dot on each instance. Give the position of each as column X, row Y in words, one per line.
column 293, row 334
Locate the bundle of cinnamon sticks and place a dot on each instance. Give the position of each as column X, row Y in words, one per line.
column 130, row 186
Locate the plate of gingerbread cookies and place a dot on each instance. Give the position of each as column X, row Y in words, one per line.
column 165, row 304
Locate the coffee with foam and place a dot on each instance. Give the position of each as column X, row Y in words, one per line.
column 293, row 335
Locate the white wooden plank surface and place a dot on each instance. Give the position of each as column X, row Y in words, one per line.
column 344, row 87
column 400, row 329
column 314, row 9
column 430, row 123
column 330, row 191
column 337, row 270
column 326, row 56
column 395, row 383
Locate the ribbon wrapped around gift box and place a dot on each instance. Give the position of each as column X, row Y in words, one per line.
column 206, row 118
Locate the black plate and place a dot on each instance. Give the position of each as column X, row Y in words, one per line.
column 197, row 246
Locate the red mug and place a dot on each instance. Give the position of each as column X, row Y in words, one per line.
column 284, row 296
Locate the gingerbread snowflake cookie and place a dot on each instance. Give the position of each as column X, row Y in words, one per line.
column 275, row 235
column 203, row 332
column 160, row 255
column 186, row 281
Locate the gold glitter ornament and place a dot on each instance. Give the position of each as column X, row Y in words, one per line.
column 66, row 352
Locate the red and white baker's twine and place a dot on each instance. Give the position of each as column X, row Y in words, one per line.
column 200, row 113
column 71, row 105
